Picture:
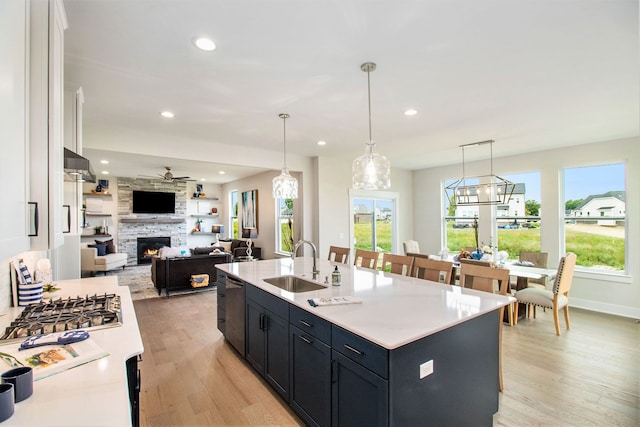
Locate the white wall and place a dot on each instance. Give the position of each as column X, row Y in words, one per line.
column 618, row 295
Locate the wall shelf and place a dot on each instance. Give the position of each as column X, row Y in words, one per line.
column 96, row 195
column 96, row 214
column 204, row 198
column 205, row 216
column 204, row 232
column 95, row 235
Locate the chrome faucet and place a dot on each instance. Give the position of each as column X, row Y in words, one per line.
column 313, row 247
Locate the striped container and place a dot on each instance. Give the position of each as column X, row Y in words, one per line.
column 29, row 293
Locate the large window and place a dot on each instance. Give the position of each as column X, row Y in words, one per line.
column 284, row 225
column 373, row 224
column 517, row 222
column 595, row 215
column 233, row 218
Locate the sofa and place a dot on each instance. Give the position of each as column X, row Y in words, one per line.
column 175, row 273
column 235, row 247
column 95, row 257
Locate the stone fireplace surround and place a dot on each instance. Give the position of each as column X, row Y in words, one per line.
column 131, row 226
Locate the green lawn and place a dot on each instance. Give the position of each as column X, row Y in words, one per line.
column 608, row 253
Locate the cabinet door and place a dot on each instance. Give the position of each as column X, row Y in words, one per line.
column 359, row 397
column 277, row 353
column 310, row 391
column 14, row 164
column 255, row 337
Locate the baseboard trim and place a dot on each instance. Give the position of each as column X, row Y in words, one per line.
column 601, row 307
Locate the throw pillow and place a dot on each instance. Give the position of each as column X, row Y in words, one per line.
column 101, row 247
column 225, row 245
column 111, row 248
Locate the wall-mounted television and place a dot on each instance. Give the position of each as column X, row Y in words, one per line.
column 153, row 202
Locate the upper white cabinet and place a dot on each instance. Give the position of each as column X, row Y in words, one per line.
column 48, row 22
column 13, row 128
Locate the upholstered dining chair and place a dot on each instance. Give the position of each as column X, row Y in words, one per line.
column 366, row 259
column 410, row 246
column 556, row 299
column 398, row 264
column 429, row 269
column 338, row 254
column 485, row 279
column 538, row 259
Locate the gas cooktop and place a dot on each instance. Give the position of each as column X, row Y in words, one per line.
column 89, row 312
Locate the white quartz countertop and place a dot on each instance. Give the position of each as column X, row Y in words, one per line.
column 93, row 394
column 396, row 310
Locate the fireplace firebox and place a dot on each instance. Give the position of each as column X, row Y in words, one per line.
column 149, row 246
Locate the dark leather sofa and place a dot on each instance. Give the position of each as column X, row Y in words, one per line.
column 173, row 274
column 238, row 249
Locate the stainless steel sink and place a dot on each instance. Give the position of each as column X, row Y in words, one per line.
column 294, row 284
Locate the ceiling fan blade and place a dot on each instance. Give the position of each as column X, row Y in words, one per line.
column 181, row 177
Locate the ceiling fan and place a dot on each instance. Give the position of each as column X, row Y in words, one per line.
column 168, row 176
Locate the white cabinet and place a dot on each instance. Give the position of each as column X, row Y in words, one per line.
column 13, row 135
column 48, row 22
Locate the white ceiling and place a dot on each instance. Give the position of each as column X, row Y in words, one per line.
column 530, row 74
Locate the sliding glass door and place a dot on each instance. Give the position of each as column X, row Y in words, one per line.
column 374, row 223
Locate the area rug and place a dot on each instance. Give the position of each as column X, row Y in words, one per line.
column 138, row 279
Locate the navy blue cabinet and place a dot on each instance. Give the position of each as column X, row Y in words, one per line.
column 310, row 367
column 267, row 338
column 221, row 301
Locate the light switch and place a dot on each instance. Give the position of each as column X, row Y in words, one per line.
column 426, row 369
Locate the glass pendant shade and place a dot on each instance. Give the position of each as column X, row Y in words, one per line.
column 371, row 171
column 284, row 185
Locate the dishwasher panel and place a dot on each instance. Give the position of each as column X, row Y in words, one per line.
column 235, row 312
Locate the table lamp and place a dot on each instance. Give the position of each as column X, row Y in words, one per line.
column 249, row 233
column 217, row 229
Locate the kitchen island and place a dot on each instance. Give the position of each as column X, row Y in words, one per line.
column 412, row 352
column 98, row 392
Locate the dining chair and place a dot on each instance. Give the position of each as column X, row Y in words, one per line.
column 429, row 269
column 340, row 255
column 538, row 259
column 488, row 279
column 410, row 246
column 366, row 259
column 399, row 264
column 556, row 299
column 471, row 262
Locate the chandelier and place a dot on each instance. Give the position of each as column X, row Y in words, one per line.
column 490, row 189
column 284, row 185
column 371, row 171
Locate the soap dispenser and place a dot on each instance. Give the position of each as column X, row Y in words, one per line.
column 336, row 277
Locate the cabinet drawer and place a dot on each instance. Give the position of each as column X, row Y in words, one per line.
column 310, row 323
column 270, row 302
column 358, row 349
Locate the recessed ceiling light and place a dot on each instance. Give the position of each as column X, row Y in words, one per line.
column 167, row 114
column 321, row 142
column 105, row 172
column 203, row 179
column 104, row 162
column 410, row 112
column 204, row 43
column 221, row 172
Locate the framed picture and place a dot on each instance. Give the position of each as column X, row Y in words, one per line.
column 250, row 210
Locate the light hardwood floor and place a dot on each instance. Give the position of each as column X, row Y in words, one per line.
column 587, row 376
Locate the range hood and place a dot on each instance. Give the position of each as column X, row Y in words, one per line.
column 77, row 168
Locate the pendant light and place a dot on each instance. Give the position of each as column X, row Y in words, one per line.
column 371, row 171
column 284, row 185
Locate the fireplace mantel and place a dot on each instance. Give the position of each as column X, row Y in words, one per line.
column 154, row 220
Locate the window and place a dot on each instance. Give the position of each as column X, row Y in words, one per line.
column 233, row 218
column 517, row 230
column 284, row 225
column 595, row 215
column 373, row 223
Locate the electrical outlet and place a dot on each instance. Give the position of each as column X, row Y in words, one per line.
column 426, row 369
